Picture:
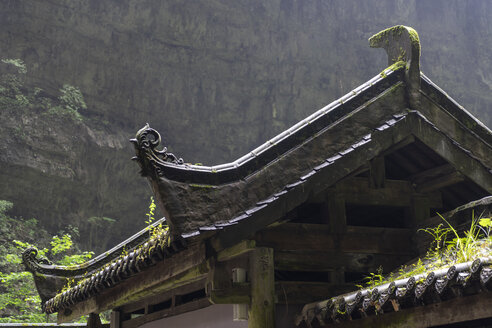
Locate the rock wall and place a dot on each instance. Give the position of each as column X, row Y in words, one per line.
column 215, row 77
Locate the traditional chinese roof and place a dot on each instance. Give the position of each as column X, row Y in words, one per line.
column 428, row 287
column 227, row 203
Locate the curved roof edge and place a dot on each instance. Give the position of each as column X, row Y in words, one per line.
column 160, row 163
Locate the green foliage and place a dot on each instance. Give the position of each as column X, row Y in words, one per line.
column 375, row 279
column 19, row 300
column 61, row 244
column 151, row 213
column 17, row 63
column 15, row 96
column 158, row 230
column 71, row 98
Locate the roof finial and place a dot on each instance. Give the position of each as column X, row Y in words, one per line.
column 402, row 45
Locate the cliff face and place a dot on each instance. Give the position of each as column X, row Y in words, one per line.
column 215, row 77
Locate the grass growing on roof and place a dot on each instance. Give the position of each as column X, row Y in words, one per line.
column 447, row 248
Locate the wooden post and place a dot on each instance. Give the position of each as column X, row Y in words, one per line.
column 336, row 212
column 262, row 276
column 94, row 321
column 377, row 172
column 420, row 210
column 115, row 320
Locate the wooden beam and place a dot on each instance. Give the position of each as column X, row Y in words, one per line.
column 330, row 261
column 302, row 292
column 432, row 173
column 238, row 293
column 236, row 250
column 149, row 303
column 458, row 310
column 318, row 237
column 395, row 193
column 186, row 267
column 262, row 276
column 440, row 182
column 399, row 145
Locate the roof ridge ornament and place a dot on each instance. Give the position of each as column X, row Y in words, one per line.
column 402, row 45
column 148, row 157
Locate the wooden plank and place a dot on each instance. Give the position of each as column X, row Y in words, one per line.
column 326, row 261
column 187, row 307
column 181, row 269
column 262, row 308
column 458, row 310
column 302, row 292
column 318, row 237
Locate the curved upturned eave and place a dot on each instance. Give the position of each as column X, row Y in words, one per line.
column 35, row 266
column 283, row 142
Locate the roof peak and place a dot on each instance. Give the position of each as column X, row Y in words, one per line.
column 402, row 44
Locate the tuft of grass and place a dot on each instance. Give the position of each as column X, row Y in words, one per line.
column 447, row 248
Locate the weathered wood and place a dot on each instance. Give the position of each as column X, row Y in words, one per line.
column 115, row 320
column 330, row 261
column 238, row 293
column 302, row 292
column 420, row 210
column 262, row 276
column 236, row 250
column 440, row 182
column 357, row 191
column 471, row 168
column 318, row 237
column 179, row 309
column 432, row 173
column 375, row 240
column 461, row 309
column 399, row 145
column 183, row 268
column 377, row 172
column 148, row 302
column 219, row 277
column 94, row 321
column 307, row 236
column 336, row 211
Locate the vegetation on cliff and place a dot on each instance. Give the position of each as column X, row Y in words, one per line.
column 15, row 96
